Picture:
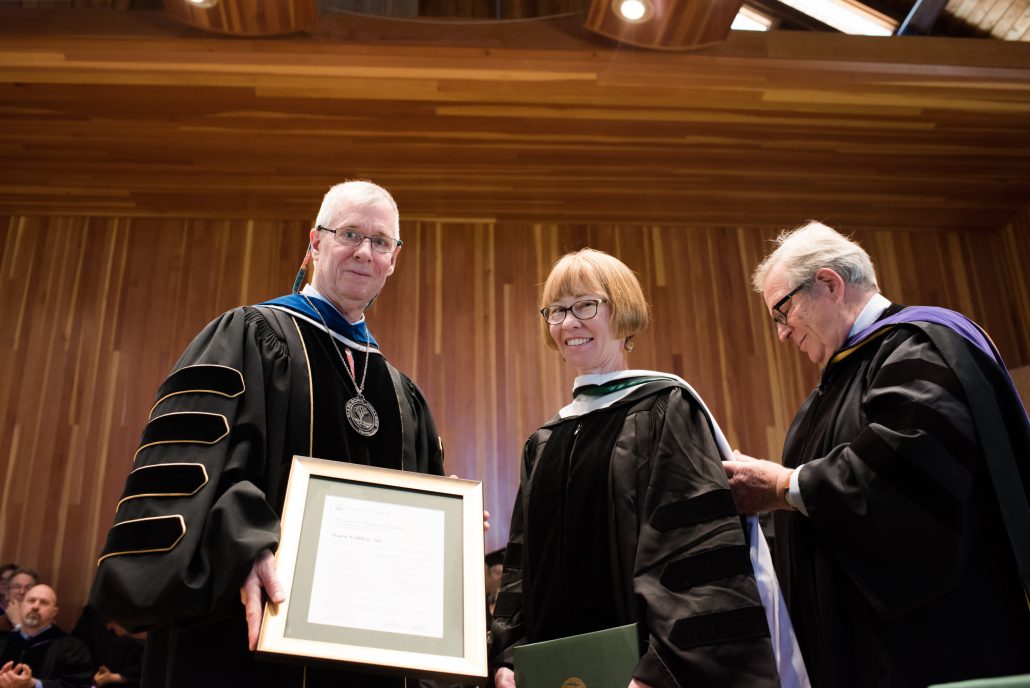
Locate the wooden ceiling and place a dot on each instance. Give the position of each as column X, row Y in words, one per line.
column 131, row 113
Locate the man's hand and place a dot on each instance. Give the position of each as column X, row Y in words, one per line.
column 16, row 676
column 757, row 485
column 504, row 678
column 105, row 676
column 262, row 577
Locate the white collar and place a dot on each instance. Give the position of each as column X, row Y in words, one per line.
column 584, row 403
column 30, row 637
column 872, row 310
column 309, row 290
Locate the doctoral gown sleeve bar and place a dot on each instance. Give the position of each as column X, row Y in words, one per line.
column 692, row 570
column 227, row 520
column 897, row 495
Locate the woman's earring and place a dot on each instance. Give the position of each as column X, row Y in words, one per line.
column 628, row 345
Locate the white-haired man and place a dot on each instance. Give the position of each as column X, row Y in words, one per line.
column 902, row 526
column 301, row 374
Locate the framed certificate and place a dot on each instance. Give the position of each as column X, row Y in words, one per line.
column 384, row 571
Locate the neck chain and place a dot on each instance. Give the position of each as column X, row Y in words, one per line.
column 360, row 413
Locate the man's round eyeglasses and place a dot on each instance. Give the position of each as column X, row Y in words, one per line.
column 584, row 310
column 779, row 316
column 348, row 236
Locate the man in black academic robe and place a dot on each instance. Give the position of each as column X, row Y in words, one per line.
column 199, row 517
column 902, row 526
column 40, row 651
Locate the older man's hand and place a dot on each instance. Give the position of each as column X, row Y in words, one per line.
column 262, row 578
column 756, row 484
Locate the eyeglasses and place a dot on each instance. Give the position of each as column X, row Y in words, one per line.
column 778, row 315
column 348, row 236
column 584, row 310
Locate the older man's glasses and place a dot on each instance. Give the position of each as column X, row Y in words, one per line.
column 779, row 315
column 349, row 236
column 584, row 310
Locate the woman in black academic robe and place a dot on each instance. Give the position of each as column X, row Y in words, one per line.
column 623, row 513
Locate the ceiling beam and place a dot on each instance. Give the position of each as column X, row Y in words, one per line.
column 921, row 18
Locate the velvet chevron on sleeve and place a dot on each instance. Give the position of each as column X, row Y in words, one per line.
column 183, row 544
column 204, row 491
column 903, row 537
column 692, row 568
column 624, row 515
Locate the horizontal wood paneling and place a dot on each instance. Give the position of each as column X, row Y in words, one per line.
column 132, row 114
column 97, row 309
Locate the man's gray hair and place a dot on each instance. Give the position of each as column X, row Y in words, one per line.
column 358, row 192
column 800, row 252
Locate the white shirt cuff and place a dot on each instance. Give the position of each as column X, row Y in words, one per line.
column 795, row 491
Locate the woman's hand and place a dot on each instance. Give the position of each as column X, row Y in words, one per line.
column 504, row 678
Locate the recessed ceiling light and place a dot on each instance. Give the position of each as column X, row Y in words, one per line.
column 634, row 10
column 202, row 3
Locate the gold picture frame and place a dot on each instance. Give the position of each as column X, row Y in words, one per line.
column 415, row 606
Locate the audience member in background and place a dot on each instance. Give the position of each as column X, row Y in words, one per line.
column 494, row 569
column 901, row 505
column 117, row 655
column 6, row 571
column 39, row 654
column 20, row 582
column 623, row 514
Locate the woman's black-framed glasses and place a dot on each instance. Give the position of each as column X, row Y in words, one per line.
column 349, row 236
column 584, row 310
column 778, row 315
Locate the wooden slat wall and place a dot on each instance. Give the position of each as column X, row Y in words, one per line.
column 1005, row 19
column 96, row 310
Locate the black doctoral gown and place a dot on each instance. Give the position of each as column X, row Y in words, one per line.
column 255, row 387
column 57, row 659
column 624, row 515
column 902, row 574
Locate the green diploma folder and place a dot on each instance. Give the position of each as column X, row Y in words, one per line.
column 603, row 659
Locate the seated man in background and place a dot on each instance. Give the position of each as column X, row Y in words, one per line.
column 6, row 573
column 39, row 654
column 20, row 582
column 117, row 654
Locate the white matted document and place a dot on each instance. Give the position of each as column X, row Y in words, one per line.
column 384, row 572
column 398, row 587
